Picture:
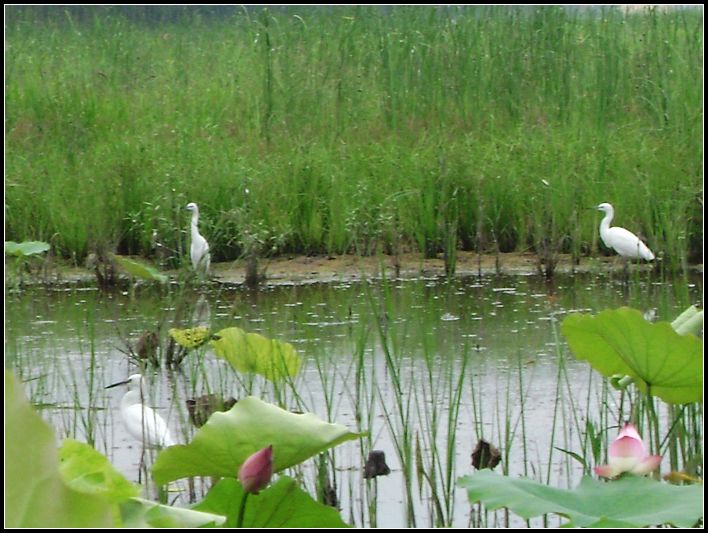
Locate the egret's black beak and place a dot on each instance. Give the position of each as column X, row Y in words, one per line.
column 119, row 383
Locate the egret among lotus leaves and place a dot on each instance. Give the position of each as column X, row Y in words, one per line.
column 141, row 421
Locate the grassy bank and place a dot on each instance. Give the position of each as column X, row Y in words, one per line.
column 355, row 129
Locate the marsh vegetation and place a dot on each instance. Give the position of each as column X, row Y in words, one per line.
column 449, row 134
column 354, row 129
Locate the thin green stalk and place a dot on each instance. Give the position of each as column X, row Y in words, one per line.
column 241, row 510
column 653, row 421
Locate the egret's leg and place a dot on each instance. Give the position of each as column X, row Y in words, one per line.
column 142, row 472
column 142, row 463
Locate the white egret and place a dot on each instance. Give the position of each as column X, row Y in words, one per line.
column 142, row 422
column 199, row 251
column 623, row 241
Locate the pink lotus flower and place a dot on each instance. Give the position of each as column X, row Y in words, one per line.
column 627, row 453
column 256, row 471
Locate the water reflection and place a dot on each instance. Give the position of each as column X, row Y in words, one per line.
column 483, row 352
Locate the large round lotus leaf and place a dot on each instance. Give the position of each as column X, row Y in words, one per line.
column 621, row 341
column 631, row 501
column 254, row 353
column 228, row 439
column 35, row 495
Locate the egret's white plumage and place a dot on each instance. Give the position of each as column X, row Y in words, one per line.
column 141, row 421
column 623, row 241
column 199, row 250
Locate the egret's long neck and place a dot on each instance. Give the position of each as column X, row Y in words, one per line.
column 605, row 224
column 132, row 397
column 195, row 222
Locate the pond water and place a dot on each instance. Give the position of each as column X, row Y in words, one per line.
column 488, row 345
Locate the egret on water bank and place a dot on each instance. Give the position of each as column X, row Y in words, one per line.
column 199, row 250
column 623, row 241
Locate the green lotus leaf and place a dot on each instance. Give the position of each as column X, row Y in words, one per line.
column 138, row 512
column 283, row 505
column 138, row 269
column 251, row 352
column 36, row 495
column 25, row 248
column 661, row 362
column 229, row 438
column 630, row 501
column 689, row 322
column 88, row 471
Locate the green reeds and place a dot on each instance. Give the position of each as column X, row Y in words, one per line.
column 114, row 122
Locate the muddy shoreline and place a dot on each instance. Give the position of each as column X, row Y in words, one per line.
column 303, row 270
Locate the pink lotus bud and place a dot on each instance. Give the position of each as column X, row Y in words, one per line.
column 627, row 453
column 256, row 471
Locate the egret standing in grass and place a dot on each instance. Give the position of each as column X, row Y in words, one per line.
column 199, row 251
column 141, row 421
column 623, row 241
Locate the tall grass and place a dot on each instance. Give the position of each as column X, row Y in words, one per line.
column 487, row 128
